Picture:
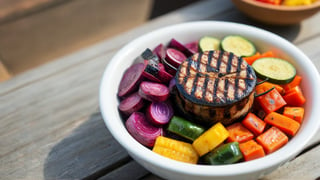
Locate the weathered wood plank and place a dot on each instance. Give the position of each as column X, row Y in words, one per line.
column 50, row 127
column 151, row 177
column 303, row 167
column 51, row 33
column 307, row 46
column 12, row 9
column 89, row 151
column 59, row 134
column 131, row 170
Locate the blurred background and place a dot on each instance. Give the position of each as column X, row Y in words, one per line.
column 34, row 32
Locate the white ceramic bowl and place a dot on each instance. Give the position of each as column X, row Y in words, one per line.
column 171, row 169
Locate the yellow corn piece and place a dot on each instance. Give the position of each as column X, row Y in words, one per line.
column 210, row 139
column 297, row 2
column 174, row 149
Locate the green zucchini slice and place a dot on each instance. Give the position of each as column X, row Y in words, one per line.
column 278, row 71
column 238, row 45
column 208, row 43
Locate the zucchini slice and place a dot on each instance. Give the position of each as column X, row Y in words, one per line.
column 238, row 45
column 208, row 43
column 278, row 71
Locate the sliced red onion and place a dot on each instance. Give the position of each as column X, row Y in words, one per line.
column 193, row 46
column 169, row 68
column 131, row 79
column 159, row 113
column 153, row 91
column 174, row 57
column 179, row 46
column 160, row 51
column 132, row 103
column 142, row 130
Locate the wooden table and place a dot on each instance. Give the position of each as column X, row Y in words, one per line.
column 51, row 127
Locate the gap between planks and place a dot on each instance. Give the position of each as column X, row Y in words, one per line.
column 122, row 163
column 131, row 170
column 54, row 71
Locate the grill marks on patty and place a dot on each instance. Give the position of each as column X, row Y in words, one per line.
column 215, row 78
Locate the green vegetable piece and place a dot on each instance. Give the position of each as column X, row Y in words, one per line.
column 238, row 45
column 185, row 128
column 208, row 43
column 277, row 70
column 225, row 154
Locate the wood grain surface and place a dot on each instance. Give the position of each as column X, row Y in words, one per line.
column 51, row 127
column 62, row 27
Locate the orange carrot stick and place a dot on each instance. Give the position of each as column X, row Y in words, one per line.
column 238, row 133
column 294, row 97
column 295, row 82
column 251, row 59
column 267, row 85
column 256, row 56
column 271, row 101
column 284, row 123
column 254, row 123
column 251, row 150
column 295, row 113
column 272, row 139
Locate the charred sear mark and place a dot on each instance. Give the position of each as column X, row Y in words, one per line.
column 215, row 78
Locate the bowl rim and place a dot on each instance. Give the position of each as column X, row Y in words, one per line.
column 119, row 132
column 314, row 5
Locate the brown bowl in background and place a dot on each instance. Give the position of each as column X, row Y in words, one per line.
column 276, row 14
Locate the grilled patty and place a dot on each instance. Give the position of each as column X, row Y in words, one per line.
column 215, row 86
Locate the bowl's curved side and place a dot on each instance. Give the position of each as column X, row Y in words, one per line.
column 276, row 15
column 314, row 5
column 188, row 32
